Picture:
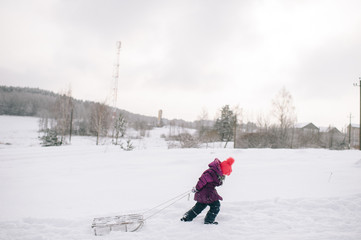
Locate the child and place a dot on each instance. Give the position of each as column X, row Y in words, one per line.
column 205, row 192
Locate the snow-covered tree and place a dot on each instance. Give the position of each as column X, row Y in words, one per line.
column 50, row 138
column 225, row 124
column 119, row 128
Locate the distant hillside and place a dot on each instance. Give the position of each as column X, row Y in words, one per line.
column 23, row 101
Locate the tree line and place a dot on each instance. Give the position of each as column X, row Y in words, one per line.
column 62, row 116
column 281, row 132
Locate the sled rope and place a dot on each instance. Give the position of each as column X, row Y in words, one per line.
column 131, row 222
column 167, row 204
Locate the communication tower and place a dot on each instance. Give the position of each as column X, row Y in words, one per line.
column 116, row 77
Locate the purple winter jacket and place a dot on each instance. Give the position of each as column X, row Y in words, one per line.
column 206, row 192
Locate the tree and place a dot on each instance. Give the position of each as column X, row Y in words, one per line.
column 202, row 126
column 129, row 146
column 63, row 113
column 119, row 128
column 237, row 117
column 225, row 124
column 100, row 120
column 284, row 111
column 211, row 136
column 50, row 138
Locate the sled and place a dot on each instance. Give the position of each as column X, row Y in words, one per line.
column 124, row 223
column 130, row 222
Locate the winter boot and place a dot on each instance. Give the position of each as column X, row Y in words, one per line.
column 215, row 223
column 212, row 213
column 191, row 214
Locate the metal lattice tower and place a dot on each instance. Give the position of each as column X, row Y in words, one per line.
column 116, row 76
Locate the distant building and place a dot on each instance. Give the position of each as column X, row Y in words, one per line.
column 306, row 135
column 248, row 127
column 332, row 138
column 160, row 120
column 306, row 128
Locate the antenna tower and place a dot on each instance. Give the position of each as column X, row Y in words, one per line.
column 116, row 77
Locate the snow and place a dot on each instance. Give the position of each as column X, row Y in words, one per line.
column 18, row 131
column 55, row 192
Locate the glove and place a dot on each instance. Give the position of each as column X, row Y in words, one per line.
column 194, row 190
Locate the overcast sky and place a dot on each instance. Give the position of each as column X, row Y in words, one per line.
column 188, row 56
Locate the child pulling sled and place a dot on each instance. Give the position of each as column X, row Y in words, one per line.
column 205, row 192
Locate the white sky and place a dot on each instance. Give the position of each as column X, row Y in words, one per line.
column 185, row 56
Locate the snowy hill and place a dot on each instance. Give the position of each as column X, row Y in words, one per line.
column 55, row 192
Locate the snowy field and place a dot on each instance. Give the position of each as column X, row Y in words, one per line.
column 55, row 192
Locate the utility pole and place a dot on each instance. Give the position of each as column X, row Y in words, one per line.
column 349, row 132
column 359, row 129
column 235, row 132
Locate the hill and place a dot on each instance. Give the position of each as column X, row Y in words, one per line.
column 35, row 102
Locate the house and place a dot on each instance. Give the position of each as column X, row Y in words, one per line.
column 306, row 135
column 332, row 138
column 330, row 129
column 306, row 128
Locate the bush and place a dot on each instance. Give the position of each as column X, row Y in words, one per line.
column 183, row 140
column 50, row 138
column 128, row 147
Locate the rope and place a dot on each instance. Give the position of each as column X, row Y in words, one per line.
column 172, row 202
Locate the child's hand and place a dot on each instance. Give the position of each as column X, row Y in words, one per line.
column 194, row 190
column 221, row 179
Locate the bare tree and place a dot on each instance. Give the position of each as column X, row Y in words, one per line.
column 263, row 123
column 211, row 136
column 63, row 110
column 237, row 121
column 284, row 111
column 201, row 125
column 100, row 120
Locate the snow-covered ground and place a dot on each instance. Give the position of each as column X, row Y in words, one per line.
column 55, row 192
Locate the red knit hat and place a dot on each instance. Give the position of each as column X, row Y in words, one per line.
column 226, row 166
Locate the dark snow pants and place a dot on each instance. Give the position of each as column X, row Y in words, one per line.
column 199, row 207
